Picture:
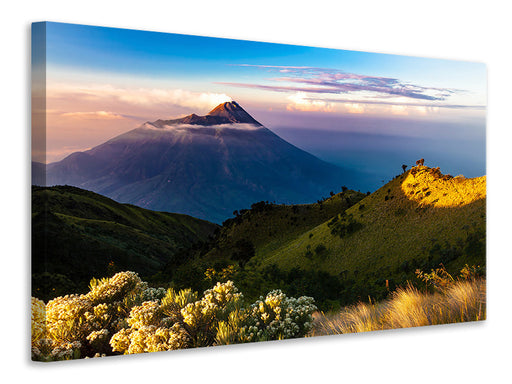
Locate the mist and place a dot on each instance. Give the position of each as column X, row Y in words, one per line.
column 454, row 148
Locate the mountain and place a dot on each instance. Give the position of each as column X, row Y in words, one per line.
column 204, row 166
column 78, row 234
column 38, row 173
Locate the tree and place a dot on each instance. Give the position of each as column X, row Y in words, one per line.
column 404, row 167
column 243, row 251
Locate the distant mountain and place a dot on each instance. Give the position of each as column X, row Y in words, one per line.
column 78, row 234
column 204, row 166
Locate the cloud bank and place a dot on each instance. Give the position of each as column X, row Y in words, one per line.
column 137, row 98
column 317, row 88
column 328, row 80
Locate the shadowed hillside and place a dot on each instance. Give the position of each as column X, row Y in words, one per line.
column 78, row 234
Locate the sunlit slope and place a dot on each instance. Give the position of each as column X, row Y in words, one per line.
column 267, row 227
column 419, row 219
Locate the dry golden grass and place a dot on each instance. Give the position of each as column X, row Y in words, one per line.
column 408, row 307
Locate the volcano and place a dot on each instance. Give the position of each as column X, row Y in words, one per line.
column 204, row 166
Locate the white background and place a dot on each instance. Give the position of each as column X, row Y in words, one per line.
column 463, row 30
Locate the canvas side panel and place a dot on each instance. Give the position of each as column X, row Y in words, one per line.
column 38, row 126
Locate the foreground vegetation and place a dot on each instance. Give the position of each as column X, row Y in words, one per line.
column 451, row 300
column 122, row 315
column 339, row 250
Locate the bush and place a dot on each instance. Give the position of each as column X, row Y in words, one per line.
column 123, row 315
column 80, row 325
column 320, row 249
column 344, row 226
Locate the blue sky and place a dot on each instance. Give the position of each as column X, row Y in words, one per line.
column 206, row 62
column 104, row 81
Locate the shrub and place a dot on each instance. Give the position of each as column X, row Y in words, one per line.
column 277, row 317
column 243, row 251
column 344, row 226
column 320, row 249
column 123, row 315
column 80, row 325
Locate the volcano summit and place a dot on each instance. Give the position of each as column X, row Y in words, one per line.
column 204, row 166
column 225, row 113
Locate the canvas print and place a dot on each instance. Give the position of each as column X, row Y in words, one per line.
column 192, row 191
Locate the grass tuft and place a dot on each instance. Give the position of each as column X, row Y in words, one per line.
column 461, row 301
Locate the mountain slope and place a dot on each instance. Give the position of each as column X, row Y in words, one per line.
column 267, row 227
column 205, row 166
column 78, row 234
column 418, row 220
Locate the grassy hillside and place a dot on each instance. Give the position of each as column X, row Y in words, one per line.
column 418, row 220
column 270, row 226
column 78, row 234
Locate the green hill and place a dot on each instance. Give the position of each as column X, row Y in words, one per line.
column 78, row 234
column 338, row 250
column 418, row 220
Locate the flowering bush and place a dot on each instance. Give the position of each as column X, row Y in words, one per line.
column 277, row 317
column 81, row 325
column 123, row 315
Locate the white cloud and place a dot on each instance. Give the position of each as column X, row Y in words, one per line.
column 180, row 97
column 300, row 102
column 139, row 97
column 188, row 127
column 355, row 108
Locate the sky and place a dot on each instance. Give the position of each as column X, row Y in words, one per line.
column 348, row 107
